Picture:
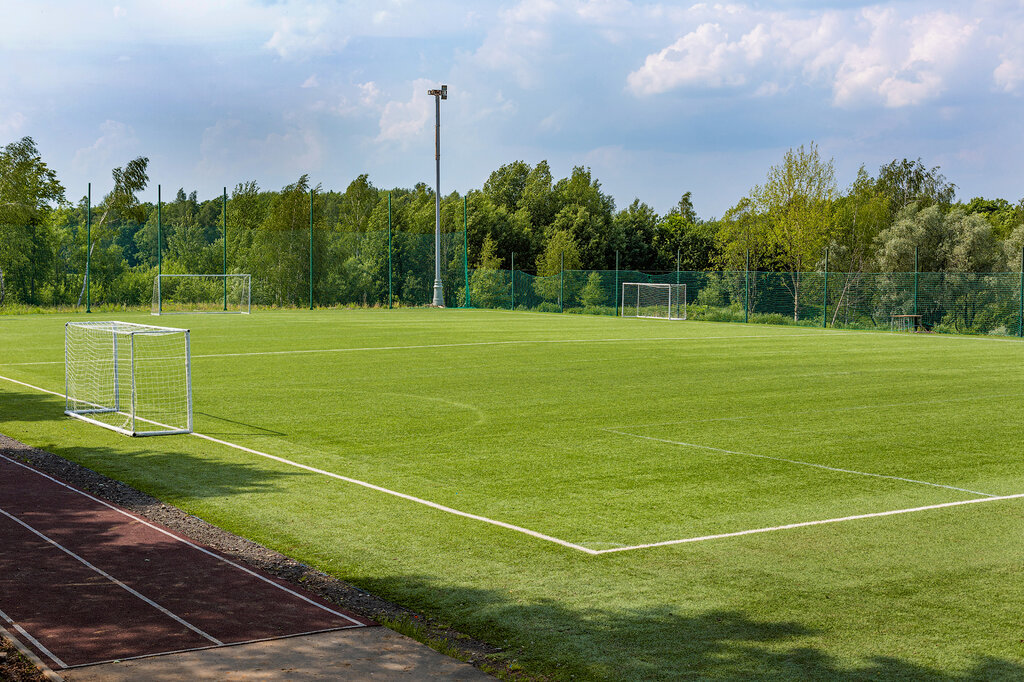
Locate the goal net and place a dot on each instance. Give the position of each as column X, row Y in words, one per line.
column 665, row 301
column 201, row 294
column 135, row 379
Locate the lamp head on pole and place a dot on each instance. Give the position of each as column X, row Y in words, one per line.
column 442, row 93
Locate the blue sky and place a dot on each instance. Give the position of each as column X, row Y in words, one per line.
column 657, row 98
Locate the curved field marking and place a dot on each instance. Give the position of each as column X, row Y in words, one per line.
column 519, row 529
column 798, row 462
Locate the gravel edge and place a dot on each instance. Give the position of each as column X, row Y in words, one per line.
column 450, row 642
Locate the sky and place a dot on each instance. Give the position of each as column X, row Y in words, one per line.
column 656, row 98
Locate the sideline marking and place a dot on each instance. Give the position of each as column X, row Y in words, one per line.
column 508, row 526
column 112, row 579
column 371, row 486
column 517, row 342
column 810, row 523
column 796, row 461
column 848, row 408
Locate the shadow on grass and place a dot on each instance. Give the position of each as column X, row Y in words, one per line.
column 657, row 643
column 162, row 466
column 246, row 430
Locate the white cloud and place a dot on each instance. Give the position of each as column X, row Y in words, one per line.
column 871, row 55
column 116, row 145
column 120, row 12
column 311, row 82
column 401, row 121
column 231, row 148
column 11, row 123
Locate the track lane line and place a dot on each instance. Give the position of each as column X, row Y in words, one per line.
column 35, row 642
column 100, row 571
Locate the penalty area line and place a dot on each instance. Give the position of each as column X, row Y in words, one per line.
column 799, row 463
column 805, row 524
column 355, row 481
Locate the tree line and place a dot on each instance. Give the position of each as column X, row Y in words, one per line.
column 904, row 217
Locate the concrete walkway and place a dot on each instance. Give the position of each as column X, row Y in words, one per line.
column 374, row 653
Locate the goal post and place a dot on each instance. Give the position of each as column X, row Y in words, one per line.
column 655, row 300
column 135, row 379
column 202, row 294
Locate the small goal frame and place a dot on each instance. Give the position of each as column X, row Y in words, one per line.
column 157, row 307
column 675, row 307
column 82, row 384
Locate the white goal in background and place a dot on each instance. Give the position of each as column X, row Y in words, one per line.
column 135, row 379
column 664, row 301
column 201, row 294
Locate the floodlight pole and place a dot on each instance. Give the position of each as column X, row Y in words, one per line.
column 439, row 95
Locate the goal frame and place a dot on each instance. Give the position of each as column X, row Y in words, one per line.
column 157, row 305
column 129, row 330
column 635, row 306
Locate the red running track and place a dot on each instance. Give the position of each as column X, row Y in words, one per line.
column 83, row 581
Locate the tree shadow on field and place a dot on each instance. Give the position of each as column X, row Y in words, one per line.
column 23, row 405
column 162, row 466
column 654, row 643
column 246, row 430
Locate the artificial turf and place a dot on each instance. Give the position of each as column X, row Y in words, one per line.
column 606, row 433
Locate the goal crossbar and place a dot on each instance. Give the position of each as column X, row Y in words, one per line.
column 176, row 294
column 134, row 379
column 654, row 300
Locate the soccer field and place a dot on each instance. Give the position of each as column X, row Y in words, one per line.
column 605, row 497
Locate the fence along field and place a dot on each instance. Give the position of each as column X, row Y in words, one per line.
column 384, row 269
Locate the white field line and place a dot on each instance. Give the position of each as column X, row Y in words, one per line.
column 371, row 486
column 805, row 524
column 798, row 462
column 519, row 342
column 100, row 571
column 139, row 519
column 534, row 534
column 53, row 657
column 827, row 410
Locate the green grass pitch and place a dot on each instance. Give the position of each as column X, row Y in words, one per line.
column 568, row 437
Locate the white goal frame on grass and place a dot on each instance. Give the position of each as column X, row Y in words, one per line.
column 654, row 300
column 135, row 379
column 232, row 291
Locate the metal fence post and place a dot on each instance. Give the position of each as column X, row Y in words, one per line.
column 616, row 283
column 916, row 268
column 1020, row 317
column 224, row 224
column 88, row 249
column 824, row 297
column 561, row 278
column 512, row 272
column 678, row 251
column 465, row 249
column 746, row 290
column 310, row 248
column 159, row 249
column 390, row 297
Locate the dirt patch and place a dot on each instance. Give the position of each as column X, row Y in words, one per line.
column 449, row 641
column 14, row 667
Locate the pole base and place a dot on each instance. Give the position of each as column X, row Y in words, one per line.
column 438, row 294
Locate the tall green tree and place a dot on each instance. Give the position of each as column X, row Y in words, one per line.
column 122, row 202
column 796, row 202
column 29, row 189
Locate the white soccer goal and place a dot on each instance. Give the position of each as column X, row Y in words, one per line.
column 135, row 379
column 664, row 301
column 201, row 294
